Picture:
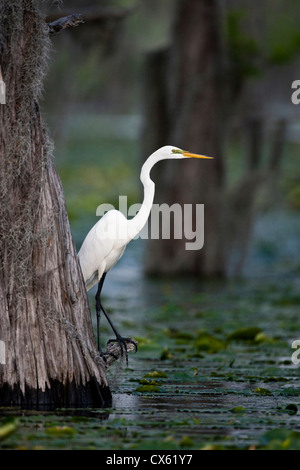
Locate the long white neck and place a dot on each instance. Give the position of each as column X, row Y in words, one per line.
column 138, row 222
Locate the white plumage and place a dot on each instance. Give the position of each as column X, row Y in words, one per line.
column 106, row 241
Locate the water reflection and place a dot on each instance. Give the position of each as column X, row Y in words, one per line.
column 191, row 413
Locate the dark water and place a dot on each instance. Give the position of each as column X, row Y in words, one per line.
column 190, row 385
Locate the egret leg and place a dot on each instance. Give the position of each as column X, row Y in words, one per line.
column 98, row 310
column 122, row 341
column 99, row 307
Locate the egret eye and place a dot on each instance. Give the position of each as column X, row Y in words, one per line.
column 177, row 151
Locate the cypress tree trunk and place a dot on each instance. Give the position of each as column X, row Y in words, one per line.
column 45, row 323
column 192, row 91
column 184, row 108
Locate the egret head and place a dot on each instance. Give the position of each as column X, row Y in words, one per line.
column 178, row 153
column 170, row 151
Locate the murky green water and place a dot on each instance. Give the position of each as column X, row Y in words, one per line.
column 213, row 369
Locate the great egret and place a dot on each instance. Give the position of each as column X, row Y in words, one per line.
column 106, row 241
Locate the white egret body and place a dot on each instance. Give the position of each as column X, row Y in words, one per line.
column 106, row 241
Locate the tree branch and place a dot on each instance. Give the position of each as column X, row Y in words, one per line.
column 60, row 24
column 92, row 14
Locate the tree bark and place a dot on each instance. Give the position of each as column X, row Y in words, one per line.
column 51, row 356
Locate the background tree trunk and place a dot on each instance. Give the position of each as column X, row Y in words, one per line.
column 194, row 88
column 184, row 108
column 51, row 355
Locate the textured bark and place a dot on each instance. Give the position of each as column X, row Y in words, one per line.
column 45, row 322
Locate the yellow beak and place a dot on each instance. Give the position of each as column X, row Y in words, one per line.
column 195, row 155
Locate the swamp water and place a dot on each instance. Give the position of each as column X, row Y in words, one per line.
column 213, row 369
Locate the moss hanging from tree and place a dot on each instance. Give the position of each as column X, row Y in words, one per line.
column 51, row 356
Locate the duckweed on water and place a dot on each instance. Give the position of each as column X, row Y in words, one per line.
column 149, row 382
column 205, row 383
column 262, row 391
column 208, row 343
column 156, row 374
column 8, row 426
column 238, row 409
column 280, row 439
column 149, row 388
column 61, row 431
column 244, row 334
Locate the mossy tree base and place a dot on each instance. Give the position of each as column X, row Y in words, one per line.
column 51, row 355
column 67, row 395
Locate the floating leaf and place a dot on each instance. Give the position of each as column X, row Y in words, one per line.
column 10, row 426
column 156, row 374
column 261, row 337
column 280, row 439
column 148, row 382
column 61, row 431
column 238, row 409
column 244, row 334
column 208, row 343
column 212, row 447
column 166, row 354
column 186, row 441
column 262, row 391
column 148, row 389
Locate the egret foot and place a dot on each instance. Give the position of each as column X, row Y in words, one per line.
column 106, row 354
column 122, row 342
